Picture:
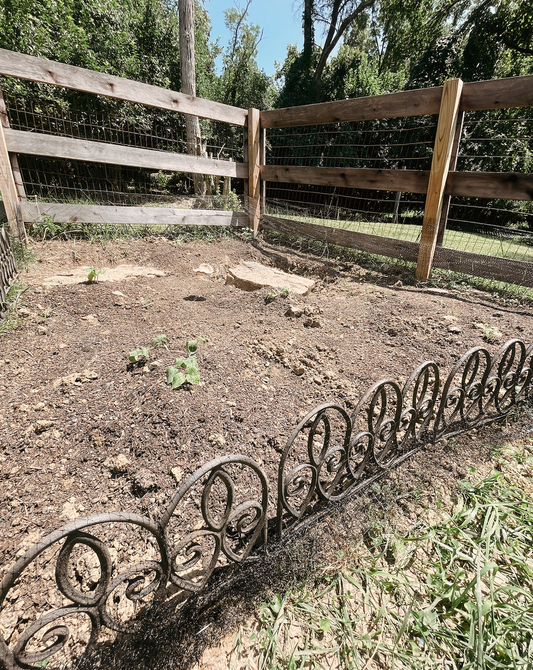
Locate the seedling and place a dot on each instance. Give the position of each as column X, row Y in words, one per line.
column 93, row 274
column 490, row 333
column 138, row 355
column 284, row 293
column 160, row 340
column 185, row 370
column 271, row 296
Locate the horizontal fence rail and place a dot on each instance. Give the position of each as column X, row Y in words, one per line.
column 80, row 79
column 330, row 456
column 23, row 142
column 142, row 216
column 505, row 185
column 479, row 265
column 482, row 95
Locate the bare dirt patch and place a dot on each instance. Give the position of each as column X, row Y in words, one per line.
column 71, row 407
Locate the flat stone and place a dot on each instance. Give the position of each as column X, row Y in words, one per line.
column 118, row 273
column 205, row 269
column 252, row 276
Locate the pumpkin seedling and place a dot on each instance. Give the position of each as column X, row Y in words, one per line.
column 138, row 355
column 93, row 274
column 185, row 370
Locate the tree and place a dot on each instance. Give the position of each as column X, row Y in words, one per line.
column 188, row 81
column 242, row 83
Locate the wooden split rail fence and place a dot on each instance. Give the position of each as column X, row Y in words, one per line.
column 449, row 102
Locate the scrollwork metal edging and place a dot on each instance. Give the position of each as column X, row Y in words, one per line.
column 329, row 456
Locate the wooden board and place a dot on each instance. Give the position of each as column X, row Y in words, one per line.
column 254, row 169
column 488, row 267
column 406, row 103
column 69, row 76
column 440, row 165
column 145, row 216
column 8, row 188
column 497, row 94
column 373, row 244
column 453, row 164
column 17, row 176
column 409, row 181
column 24, row 142
column 505, row 185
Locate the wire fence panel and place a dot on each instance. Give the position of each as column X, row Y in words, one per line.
column 494, row 141
column 8, row 271
column 385, row 144
column 78, row 116
column 491, row 141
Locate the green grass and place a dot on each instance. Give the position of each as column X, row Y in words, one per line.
column 11, row 319
column 458, row 594
column 511, row 247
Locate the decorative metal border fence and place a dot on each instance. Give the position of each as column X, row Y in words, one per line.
column 8, row 271
column 330, row 455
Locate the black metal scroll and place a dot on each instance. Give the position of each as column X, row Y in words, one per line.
column 219, row 515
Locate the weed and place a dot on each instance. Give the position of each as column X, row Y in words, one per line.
column 271, row 296
column 47, row 227
column 459, row 595
column 185, row 370
column 491, row 334
column 160, row 340
column 93, row 274
column 11, row 319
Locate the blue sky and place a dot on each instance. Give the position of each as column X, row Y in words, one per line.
column 280, row 20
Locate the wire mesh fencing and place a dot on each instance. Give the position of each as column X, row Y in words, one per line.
column 61, row 180
column 385, row 144
column 491, row 141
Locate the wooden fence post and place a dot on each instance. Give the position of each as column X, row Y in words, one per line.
column 440, row 166
column 254, row 168
column 8, row 188
column 453, row 164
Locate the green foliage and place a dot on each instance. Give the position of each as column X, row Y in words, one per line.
column 160, row 340
column 93, row 274
column 456, row 594
column 11, row 319
column 242, row 83
column 46, row 227
column 185, row 370
column 491, row 334
column 139, row 355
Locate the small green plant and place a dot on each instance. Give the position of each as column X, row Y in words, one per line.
column 47, row 226
column 93, row 274
column 271, row 296
column 185, row 370
column 138, row 355
column 491, row 334
column 160, row 341
column 285, row 291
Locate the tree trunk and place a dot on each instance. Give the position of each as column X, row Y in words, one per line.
column 188, row 80
column 309, row 31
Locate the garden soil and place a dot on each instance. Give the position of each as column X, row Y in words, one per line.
column 84, row 431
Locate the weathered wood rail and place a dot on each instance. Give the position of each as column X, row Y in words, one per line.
column 439, row 184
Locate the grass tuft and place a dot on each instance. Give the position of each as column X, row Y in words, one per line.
column 459, row 594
